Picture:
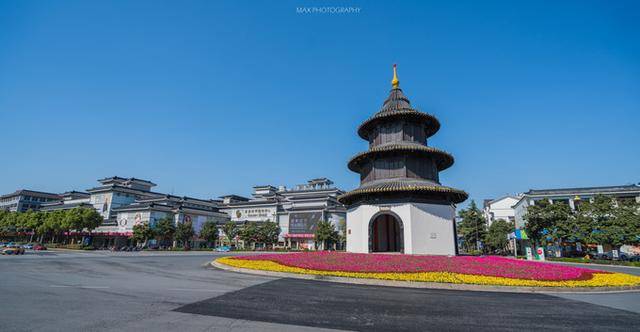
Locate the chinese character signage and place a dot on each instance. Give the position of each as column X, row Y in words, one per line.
column 304, row 222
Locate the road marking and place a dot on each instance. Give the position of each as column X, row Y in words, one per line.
column 86, row 287
column 196, row 290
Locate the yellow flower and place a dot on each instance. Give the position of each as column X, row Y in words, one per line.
column 598, row 280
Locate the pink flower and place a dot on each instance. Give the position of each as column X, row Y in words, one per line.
column 485, row 265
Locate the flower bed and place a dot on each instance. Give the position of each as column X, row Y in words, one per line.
column 487, row 270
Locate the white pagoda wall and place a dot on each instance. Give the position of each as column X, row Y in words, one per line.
column 427, row 228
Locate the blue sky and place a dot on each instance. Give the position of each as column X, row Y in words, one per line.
column 208, row 98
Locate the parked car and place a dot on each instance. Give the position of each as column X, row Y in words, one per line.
column 223, row 249
column 608, row 255
column 13, row 250
column 28, row 246
column 39, row 247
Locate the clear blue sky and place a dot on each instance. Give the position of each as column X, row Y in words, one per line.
column 208, row 98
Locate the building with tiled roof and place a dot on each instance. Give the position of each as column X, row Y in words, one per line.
column 297, row 210
column 571, row 196
column 400, row 205
column 24, row 200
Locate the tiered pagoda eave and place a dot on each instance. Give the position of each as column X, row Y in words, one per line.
column 399, row 166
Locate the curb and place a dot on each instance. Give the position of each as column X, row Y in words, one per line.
column 430, row 285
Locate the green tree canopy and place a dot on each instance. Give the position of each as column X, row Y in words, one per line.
column 602, row 220
column 325, row 233
column 497, row 234
column 230, row 230
column 613, row 223
column 268, row 232
column 209, row 231
column 472, row 227
column 91, row 219
column 142, row 233
column 165, row 228
column 184, row 233
column 249, row 233
column 545, row 220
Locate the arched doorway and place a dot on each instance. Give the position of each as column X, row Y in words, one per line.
column 385, row 233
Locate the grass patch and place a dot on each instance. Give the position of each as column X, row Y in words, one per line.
column 593, row 261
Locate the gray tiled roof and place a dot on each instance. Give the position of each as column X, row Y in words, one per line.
column 117, row 178
column 32, row 193
column 443, row 159
column 404, row 186
column 398, row 105
column 61, row 206
column 631, row 188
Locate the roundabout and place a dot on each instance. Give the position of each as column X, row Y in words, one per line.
column 488, row 273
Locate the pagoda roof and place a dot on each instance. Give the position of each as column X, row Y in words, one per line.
column 443, row 159
column 405, row 187
column 397, row 106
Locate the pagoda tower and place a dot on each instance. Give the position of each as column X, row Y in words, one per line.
column 400, row 205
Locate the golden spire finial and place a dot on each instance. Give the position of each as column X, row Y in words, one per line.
column 395, row 83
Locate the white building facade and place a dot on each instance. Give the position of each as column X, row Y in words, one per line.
column 126, row 202
column 424, row 228
column 500, row 208
column 296, row 210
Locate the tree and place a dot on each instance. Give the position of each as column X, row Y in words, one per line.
column 249, row 234
column 165, row 229
column 184, row 233
column 53, row 225
column 628, row 216
column 72, row 220
column 35, row 220
column 613, row 223
column 325, row 233
column 230, row 230
column 268, row 233
column 548, row 222
column 91, row 219
column 8, row 223
column 142, row 233
column 473, row 227
column 209, row 232
column 497, row 234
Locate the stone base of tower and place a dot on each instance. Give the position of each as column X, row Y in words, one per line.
column 410, row 228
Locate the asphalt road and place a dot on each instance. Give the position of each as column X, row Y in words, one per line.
column 149, row 291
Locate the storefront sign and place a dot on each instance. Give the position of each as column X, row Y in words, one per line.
column 304, row 222
column 529, row 254
column 600, row 249
column 300, row 236
column 540, row 254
